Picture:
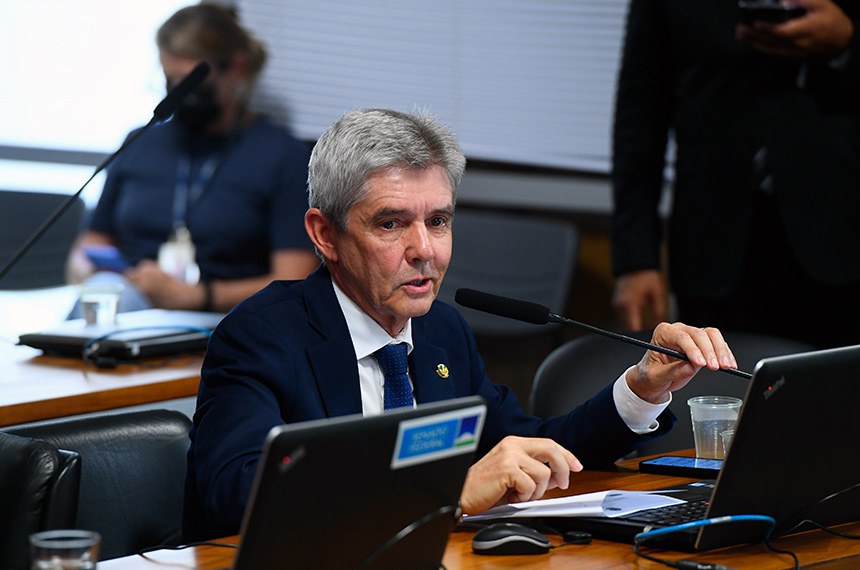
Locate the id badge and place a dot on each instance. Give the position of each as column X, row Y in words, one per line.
column 176, row 257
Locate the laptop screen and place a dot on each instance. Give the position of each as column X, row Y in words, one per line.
column 794, row 454
column 361, row 492
column 793, row 458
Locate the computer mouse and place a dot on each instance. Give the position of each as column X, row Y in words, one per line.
column 510, row 538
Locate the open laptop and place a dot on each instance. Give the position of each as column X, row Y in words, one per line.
column 354, row 492
column 794, row 457
column 137, row 334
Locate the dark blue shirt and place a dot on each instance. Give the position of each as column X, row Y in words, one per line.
column 253, row 203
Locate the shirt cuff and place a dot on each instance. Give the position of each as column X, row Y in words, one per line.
column 639, row 415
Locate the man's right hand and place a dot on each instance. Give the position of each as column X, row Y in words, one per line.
column 517, row 469
column 824, row 30
column 641, row 299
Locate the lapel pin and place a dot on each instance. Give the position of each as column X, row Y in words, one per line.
column 442, row 370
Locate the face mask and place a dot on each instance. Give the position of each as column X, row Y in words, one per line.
column 198, row 110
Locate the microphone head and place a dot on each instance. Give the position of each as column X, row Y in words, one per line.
column 503, row 306
column 175, row 96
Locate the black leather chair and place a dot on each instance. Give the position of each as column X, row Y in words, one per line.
column 132, row 475
column 581, row 367
column 513, row 255
column 38, row 491
column 21, row 215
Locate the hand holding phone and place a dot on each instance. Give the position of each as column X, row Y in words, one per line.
column 771, row 12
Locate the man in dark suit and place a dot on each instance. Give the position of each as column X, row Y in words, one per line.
column 382, row 189
column 762, row 231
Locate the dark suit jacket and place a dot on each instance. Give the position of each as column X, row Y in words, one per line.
column 285, row 355
column 684, row 70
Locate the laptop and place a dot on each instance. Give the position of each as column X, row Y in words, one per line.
column 378, row 492
column 137, row 334
column 794, row 457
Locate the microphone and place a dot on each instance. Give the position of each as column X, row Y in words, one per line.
column 175, row 96
column 537, row 314
column 163, row 110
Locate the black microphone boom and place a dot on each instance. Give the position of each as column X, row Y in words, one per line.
column 540, row 315
column 163, row 110
column 503, row 306
column 188, row 84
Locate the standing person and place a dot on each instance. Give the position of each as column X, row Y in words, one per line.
column 763, row 234
column 218, row 185
column 382, row 187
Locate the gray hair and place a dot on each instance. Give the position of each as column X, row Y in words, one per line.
column 365, row 141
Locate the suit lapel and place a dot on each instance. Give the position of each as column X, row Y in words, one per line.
column 336, row 374
column 334, row 363
column 429, row 366
column 333, row 359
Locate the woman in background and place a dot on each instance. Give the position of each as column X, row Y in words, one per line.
column 207, row 207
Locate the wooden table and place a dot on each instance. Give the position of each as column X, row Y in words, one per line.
column 816, row 548
column 37, row 387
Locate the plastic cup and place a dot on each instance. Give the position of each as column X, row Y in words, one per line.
column 99, row 302
column 712, row 415
column 64, row 550
column 727, row 436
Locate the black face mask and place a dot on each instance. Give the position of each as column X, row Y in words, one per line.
column 198, row 110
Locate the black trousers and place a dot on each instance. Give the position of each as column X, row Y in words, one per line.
column 776, row 296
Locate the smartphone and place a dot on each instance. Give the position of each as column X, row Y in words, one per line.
column 682, row 466
column 106, row 258
column 774, row 13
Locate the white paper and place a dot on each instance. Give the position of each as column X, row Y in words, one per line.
column 609, row 504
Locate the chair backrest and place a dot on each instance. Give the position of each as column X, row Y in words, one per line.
column 576, row 370
column 38, row 491
column 21, row 215
column 514, row 255
column 132, row 475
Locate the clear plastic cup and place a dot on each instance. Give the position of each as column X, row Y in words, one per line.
column 99, row 302
column 712, row 415
column 64, row 550
column 727, row 436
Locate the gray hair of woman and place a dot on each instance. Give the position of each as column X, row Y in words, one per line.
column 365, row 141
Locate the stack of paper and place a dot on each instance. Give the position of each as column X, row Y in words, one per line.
column 603, row 503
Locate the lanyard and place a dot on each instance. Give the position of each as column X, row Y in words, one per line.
column 188, row 190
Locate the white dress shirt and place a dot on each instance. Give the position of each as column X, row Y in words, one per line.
column 368, row 337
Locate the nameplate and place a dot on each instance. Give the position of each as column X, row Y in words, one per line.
column 434, row 437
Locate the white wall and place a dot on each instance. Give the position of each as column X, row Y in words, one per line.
column 79, row 75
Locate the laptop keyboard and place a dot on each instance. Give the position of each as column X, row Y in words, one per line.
column 673, row 514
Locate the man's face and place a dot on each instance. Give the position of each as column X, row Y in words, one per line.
column 397, row 245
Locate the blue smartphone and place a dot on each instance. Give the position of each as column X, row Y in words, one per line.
column 682, row 466
column 106, row 258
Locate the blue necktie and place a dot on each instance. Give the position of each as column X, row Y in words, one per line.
column 392, row 360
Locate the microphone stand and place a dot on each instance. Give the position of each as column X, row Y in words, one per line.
column 46, row 225
column 163, row 110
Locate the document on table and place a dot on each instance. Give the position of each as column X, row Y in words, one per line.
column 600, row 504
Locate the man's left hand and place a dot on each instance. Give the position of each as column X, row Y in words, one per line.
column 658, row 374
